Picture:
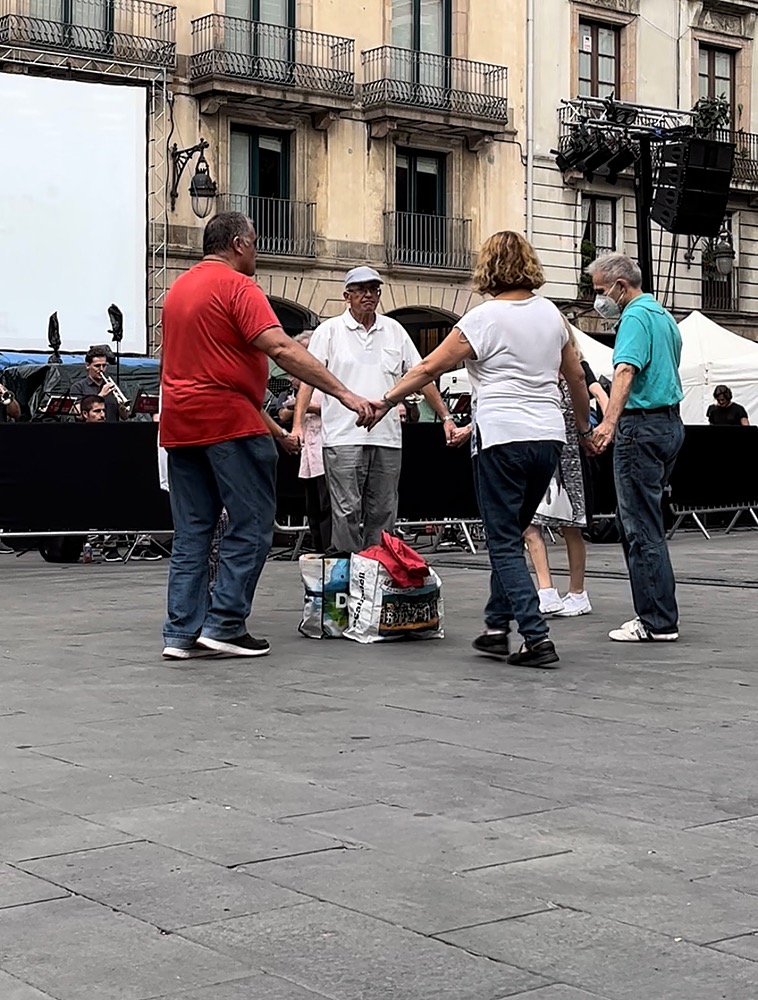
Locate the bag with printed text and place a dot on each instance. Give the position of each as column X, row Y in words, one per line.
column 382, row 606
column 325, row 580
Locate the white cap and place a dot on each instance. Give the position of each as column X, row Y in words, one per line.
column 361, row 274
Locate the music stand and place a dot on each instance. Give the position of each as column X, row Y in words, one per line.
column 144, row 403
column 117, row 335
column 59, row 406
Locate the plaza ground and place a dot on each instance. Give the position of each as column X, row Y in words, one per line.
column 378, row 823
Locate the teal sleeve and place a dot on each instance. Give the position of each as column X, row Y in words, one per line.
column 633, row 344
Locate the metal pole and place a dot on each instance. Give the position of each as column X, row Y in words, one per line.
column 643, row 189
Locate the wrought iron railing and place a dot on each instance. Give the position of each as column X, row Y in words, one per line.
column 269, row 53
column 435, row 241
column 433, row 82
column 745, row 153
column 283, row 227
column 720, row 293
column 133, row 31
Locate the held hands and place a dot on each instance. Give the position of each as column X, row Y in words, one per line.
column 459, row 436
column 600, row 438
column 361, row 407
column 289, row 443
column 448, row 426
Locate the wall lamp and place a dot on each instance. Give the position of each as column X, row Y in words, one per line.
column 202, row 187
column 720, row 254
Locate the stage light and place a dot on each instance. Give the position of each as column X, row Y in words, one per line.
column 596, row 159
column 202, row 187
column 627, row 156
column 620, row 114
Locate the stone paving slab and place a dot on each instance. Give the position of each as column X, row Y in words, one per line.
column 612, row 958
column 31, row 831
column 413, row 896
column 216, row 833
column 425, row 838
column 12, row 988
column 161, row 886
column 345, row 955
column 17, row 888
column 81, row 791
column 79, row 950
column 260, row 987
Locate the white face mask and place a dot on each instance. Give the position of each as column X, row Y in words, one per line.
column 607, row 307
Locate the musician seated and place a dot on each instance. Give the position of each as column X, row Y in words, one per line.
column 95, row 383
column 9, row 408
column 92, row 409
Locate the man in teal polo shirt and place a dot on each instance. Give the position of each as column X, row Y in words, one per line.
column 643, row 419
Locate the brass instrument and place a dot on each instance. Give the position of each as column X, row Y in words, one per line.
column 118, row 395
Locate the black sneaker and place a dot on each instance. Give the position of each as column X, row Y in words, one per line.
column 148, row 554
column 112, row 555
column 492, row 644
column 541, row 654
column 243, row 645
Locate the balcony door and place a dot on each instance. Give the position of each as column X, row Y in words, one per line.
column 423, row 29
column 86, row 25
column 599, row 60
column 260, row 38
column 716, row 75
column 420, row 224
column 259, row 182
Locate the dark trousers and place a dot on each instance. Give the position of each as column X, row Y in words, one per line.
column 645, row 451
column 240, row 476
column 511, row 481
column 318, row 510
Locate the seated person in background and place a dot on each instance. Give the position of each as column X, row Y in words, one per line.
column 725, row 413
column 92, row 409
column 93, row 384
column 282, row 408
column 9, row 408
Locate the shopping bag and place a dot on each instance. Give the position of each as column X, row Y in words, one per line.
column 404, row 565
column 556, row 504
column 325, row 580
column 380, row 611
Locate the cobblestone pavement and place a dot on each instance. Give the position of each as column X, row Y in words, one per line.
column 378, row 823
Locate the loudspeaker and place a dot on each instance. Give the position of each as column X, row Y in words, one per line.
column 693, row 186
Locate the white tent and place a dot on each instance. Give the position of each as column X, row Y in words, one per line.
column 711, row 356
column 597, row 355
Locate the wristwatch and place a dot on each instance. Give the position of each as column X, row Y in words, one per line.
column 449, row 416
column 388, row 402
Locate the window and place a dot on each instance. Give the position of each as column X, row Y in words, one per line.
column 598, row 236
column 79, row 24
column 421, row 232
column 259, row 38
column 423, row 27
column 259, row 182
column 716, row 74
column 599, row 60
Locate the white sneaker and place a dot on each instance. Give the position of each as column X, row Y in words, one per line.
column 635, row 631
column 575, row 605
column 550, row 601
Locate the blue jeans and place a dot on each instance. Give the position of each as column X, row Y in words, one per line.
column 646, row 446
column 511, row 480
column 239, row 475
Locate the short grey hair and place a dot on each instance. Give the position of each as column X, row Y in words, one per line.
column 615, row 267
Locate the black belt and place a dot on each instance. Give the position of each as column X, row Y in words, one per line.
column 635, row 412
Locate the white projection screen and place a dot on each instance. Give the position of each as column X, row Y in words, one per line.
column 73, row 212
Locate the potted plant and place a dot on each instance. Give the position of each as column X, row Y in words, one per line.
column 711, row 114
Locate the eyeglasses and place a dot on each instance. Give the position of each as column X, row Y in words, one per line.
column 364, row 290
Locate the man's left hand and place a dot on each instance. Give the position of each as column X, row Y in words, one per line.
column 450, row 429
column 600, row 438
column 380, row 410
column 289, row 443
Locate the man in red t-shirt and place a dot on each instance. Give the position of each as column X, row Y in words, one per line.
column 218, row 329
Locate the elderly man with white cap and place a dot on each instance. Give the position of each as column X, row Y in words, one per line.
column 369, row 352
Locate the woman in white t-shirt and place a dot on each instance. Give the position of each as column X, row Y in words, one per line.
column 514, row 347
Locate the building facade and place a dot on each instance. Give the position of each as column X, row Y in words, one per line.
column 658, row 57
column 401, row 133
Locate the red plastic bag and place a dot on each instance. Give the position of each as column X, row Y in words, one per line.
column 406, row 567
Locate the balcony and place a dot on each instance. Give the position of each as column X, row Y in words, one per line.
column 267, row 63
column 285, row 228
column 433, row 92
column 130, row 31
column 431, row 241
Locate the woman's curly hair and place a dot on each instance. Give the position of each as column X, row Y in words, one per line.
column 507, row 261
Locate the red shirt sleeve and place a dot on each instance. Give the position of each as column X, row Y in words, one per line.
column 251, row 310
